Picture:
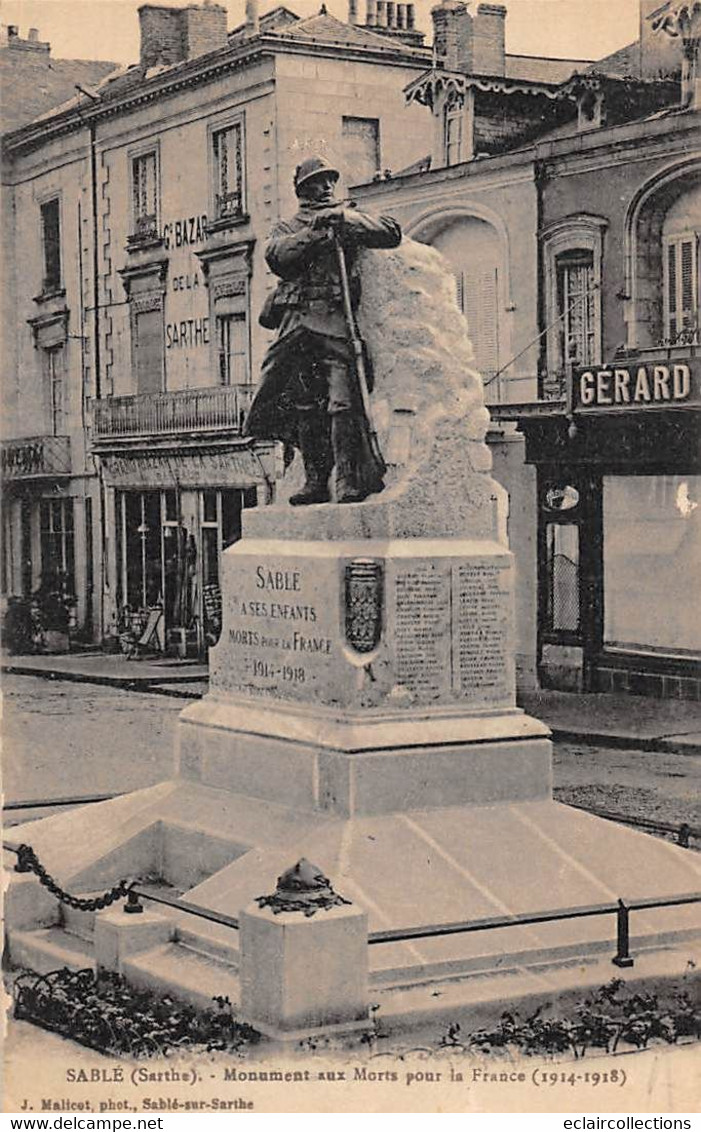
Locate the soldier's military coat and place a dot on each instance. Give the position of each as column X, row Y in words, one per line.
column 309, row 306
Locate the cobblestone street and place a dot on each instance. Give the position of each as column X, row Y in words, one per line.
column 66, row 740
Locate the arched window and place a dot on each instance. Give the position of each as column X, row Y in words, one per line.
column 663, row 231
column 573, row 253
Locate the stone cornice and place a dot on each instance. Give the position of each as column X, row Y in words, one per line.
column 195, row 73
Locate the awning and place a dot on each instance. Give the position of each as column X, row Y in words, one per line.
column 242, row 468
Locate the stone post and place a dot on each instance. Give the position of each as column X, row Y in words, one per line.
column 303, row 959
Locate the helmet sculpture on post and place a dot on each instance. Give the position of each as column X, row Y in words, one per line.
column 313, row 167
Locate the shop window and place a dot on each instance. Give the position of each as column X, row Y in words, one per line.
column 57, row 542
column 228, row 172
column 232, row 344
column 51, row 244
column 681, row 289
column 147, row 329
column 652, row 530
column 55, row 377
column 361, row 149
column 562, row 604
column 144, row 181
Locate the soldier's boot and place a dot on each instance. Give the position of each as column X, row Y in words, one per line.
column 344, row 443
column 316, row 457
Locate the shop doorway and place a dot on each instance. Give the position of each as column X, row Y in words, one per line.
column 169, row 547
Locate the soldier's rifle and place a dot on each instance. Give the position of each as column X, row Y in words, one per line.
column 358, row 354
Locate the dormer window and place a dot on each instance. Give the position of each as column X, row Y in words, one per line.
column 452, row 133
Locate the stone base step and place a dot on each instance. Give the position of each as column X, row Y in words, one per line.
column 49, row 949
column 77, row 923
column 178, row 971
column 220, row 944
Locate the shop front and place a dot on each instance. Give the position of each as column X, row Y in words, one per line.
column 46, row 566
column 172, row 516
column 619, row 528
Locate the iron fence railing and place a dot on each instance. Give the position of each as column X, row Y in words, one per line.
column 622, row 909
column 211, row 409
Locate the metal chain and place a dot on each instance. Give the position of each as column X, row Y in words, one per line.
column 28, row 862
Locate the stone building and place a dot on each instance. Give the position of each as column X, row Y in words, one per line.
column 141, row 207
column 569, row 208
column 50, row 504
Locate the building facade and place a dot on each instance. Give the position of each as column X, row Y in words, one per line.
column 567, row 203
column 141, row 212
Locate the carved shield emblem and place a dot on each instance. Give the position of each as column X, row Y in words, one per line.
column 364, row 595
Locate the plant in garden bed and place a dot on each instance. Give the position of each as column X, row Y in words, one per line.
column 610, row 1017
column 105, row 1013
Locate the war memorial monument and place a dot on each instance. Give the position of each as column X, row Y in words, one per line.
column 361, row 739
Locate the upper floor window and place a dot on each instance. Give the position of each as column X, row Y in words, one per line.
column 147, row 345
column 232, row 341
column 361, row 149
column 573, row 258
column 681, row 289
column 576, row 308
column 56, row 389
column 144, row 182
column 228, row 172
column 51, row 243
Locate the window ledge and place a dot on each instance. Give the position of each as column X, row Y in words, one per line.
column 50, row 293
column 223, row 223
column 140, row 243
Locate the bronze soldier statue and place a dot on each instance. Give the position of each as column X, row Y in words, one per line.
column 308, row 396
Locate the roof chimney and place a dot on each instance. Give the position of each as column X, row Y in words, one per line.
column 452, row 35
column 489, row 42
column 252, row 18
column 352, row 11
column 172, row 35
column 203, row 29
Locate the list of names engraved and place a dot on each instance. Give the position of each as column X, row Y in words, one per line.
column 422, row 630
column 481, row 631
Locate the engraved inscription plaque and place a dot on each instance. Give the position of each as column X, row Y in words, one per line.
column 481, row 630
column 422, row 629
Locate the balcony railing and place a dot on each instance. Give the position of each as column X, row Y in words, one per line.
column 220, row 408
column 33, row 457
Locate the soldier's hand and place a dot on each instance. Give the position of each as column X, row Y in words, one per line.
column 330, row 219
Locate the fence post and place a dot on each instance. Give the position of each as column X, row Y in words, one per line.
column 622, row 958
column 304, row 959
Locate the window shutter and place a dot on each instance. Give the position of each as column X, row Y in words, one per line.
column 680, row 287
column 149, row 351
column 479, row 305
column 361, row 149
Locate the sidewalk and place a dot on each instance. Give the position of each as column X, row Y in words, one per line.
column 598, row 719
column 606, row 719
column 167, row 675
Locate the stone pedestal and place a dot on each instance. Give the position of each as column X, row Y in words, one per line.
column 365, row 677
column 119, row 935
column 301, row 974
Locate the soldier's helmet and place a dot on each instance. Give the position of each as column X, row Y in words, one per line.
column 313, row 167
